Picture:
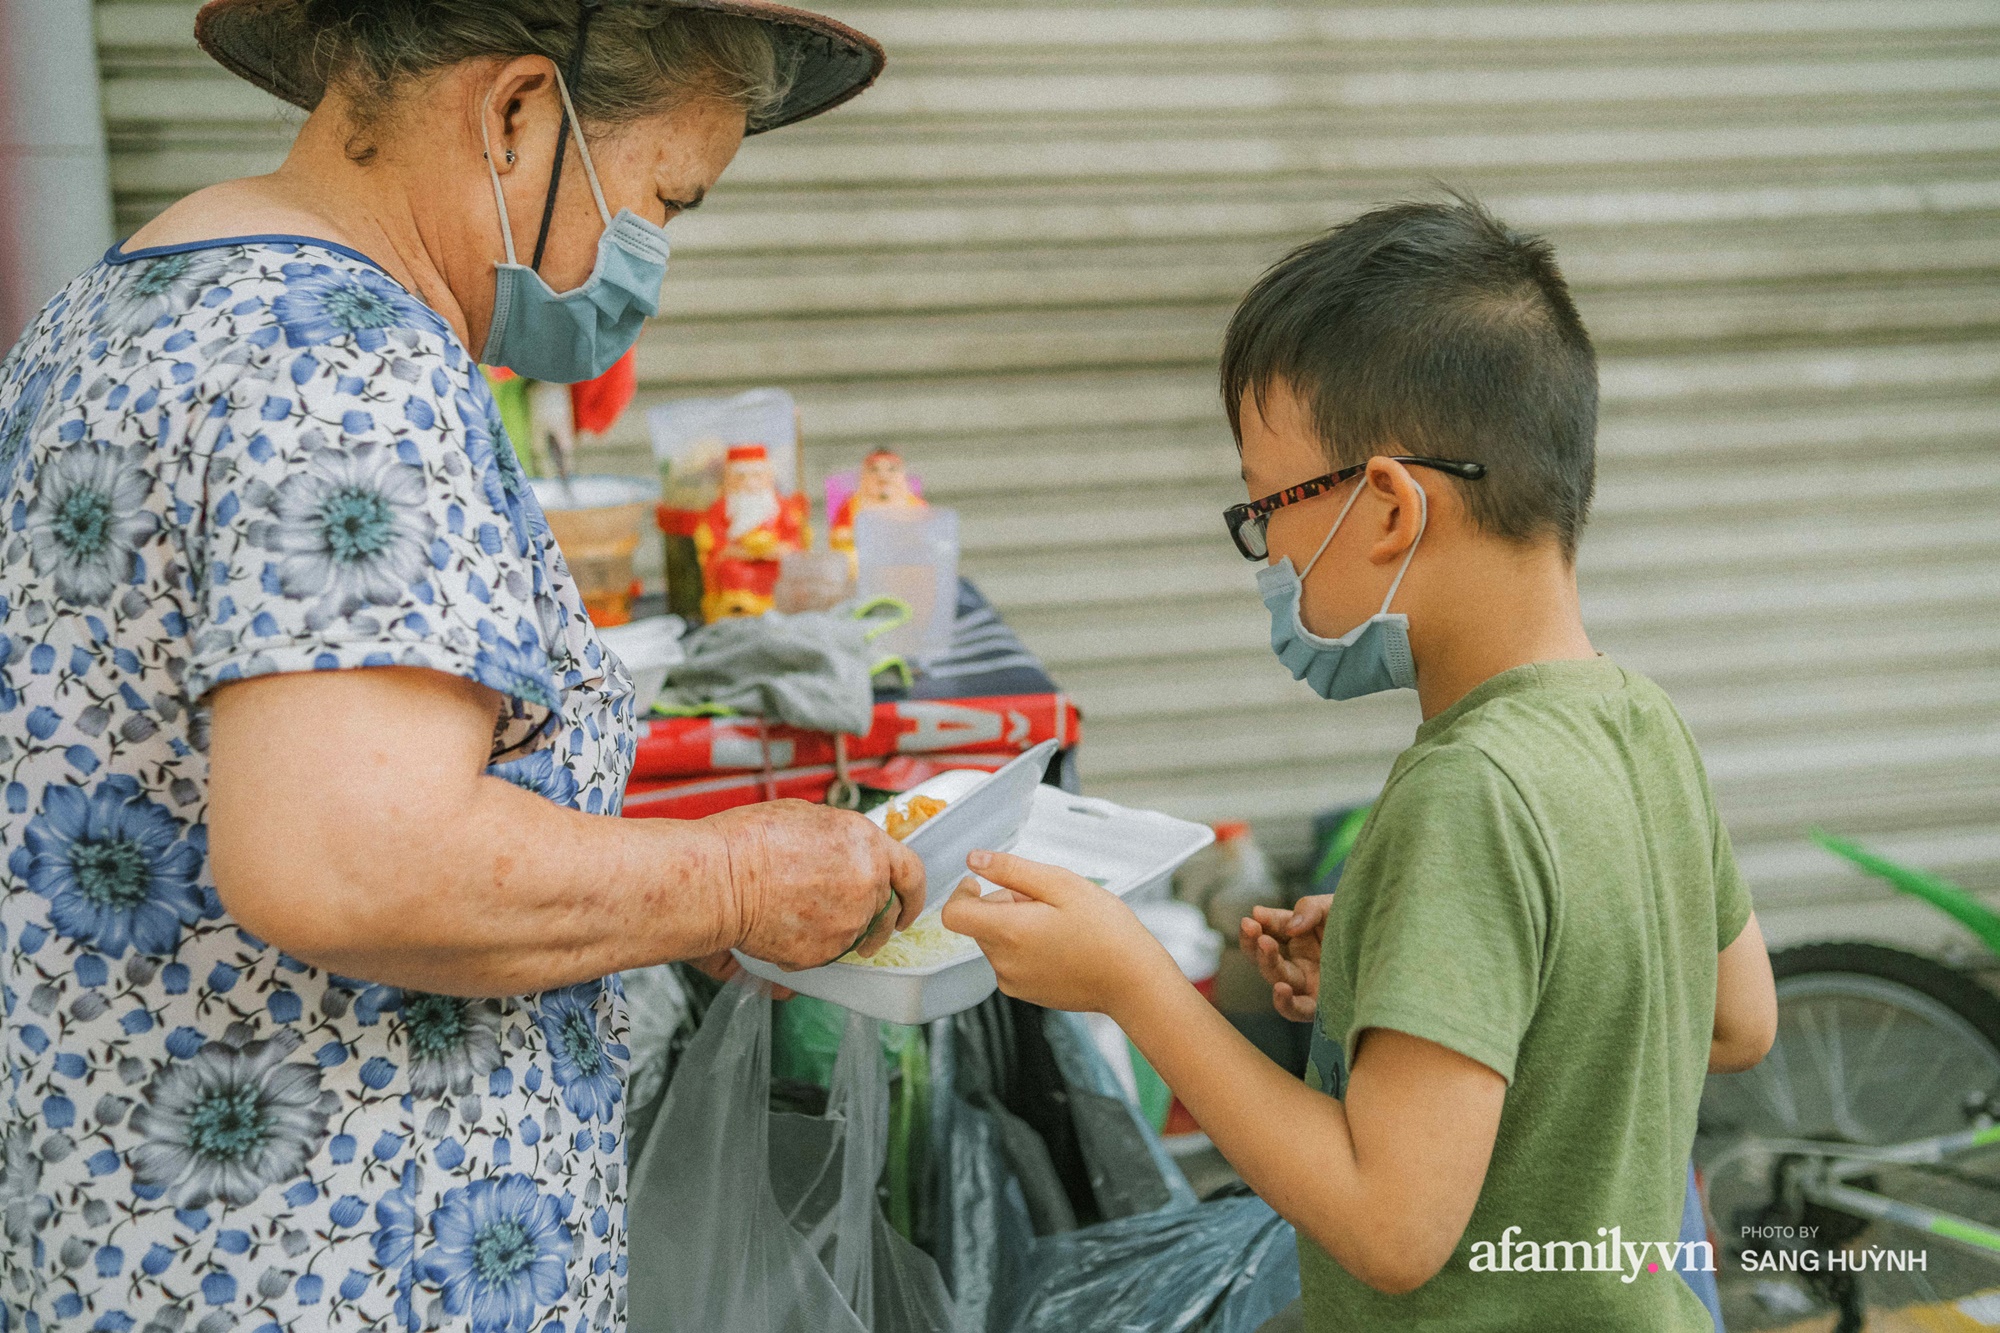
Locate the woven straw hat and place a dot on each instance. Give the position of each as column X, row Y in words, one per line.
column 266, row 41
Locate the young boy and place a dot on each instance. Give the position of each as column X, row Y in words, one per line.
column 1541, row 944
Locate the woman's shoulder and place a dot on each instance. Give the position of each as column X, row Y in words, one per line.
column 262, row 338
column 271, row 292
column 178, row 349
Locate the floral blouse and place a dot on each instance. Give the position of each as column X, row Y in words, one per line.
column 219, row 461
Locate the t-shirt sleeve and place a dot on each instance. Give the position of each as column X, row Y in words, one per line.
column 1446, row 935
column 358, row 506
column 1732, row 895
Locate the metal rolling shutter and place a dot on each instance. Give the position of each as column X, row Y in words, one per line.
column 1013, row 259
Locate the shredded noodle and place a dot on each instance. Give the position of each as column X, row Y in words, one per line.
column 921, row 945
column 927, row 941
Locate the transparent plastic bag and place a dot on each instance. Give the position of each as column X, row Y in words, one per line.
column 747, row 1221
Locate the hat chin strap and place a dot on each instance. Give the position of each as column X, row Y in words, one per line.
column 589, row 8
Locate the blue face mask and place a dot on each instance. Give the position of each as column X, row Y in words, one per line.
column 581, row 334
column 1372, row 657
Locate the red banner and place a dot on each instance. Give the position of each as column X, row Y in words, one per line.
column 689, row 747
column 691, row 798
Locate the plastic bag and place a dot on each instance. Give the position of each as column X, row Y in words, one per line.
column 806, row 1036
column 656, row 1005
column 762, row 1222
column 1149, row 1258
column 1220, row 1267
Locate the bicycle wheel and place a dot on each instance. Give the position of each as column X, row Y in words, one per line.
column 1874, row 1046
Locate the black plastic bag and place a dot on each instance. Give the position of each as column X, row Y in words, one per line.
column 1220, row 1267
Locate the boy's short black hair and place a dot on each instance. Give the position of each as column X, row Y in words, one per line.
column 1433, row 329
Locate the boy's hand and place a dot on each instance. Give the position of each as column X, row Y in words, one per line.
column 1058, row 940
column 1285, row 945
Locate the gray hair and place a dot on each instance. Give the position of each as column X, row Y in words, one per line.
column 640, row 58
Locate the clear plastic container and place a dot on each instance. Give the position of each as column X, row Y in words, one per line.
column 813, row 581
column 911, row 554
column 597, row 521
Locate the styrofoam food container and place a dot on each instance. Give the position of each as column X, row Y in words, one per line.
column 649, row 648
column 1126, row 849
column 983, row 811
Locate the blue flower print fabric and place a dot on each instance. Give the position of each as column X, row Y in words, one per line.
column 215, row 464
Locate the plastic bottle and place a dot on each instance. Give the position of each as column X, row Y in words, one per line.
column 1225, row 881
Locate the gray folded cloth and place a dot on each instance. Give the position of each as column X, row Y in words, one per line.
column 810, row 670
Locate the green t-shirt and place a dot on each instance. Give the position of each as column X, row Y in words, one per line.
column 1544, row 887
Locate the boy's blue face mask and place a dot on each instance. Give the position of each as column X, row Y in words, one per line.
column 1372, row 657
column 581, row 334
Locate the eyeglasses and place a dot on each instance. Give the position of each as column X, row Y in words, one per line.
column 1248, row 522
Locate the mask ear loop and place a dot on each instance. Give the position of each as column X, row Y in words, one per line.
column 1328, row 540
column 493, row 172
column 583, row 150
column 1423, row 521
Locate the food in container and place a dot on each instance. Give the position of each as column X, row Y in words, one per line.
column 983, row 812
column 907, row 816
column 1127, row 851
column 926, row 941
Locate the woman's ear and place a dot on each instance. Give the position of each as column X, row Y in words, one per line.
column 1400, row 504
column 514, row 107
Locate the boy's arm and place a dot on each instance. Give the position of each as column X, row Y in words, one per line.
column 1384, row 1182
column 1746, row 1003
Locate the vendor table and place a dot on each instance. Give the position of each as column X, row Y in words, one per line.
column 986, row 700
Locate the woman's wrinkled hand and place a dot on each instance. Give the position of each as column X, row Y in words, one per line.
column 1056, row 939
column 807, row 882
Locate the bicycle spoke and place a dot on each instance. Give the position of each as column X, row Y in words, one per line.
column 1923, row 1091
column 1883, row 1028
column 1776, row 1076
column 1926, row 1292
column 1825, row 1061
column 1863, row 1087
column 1838, row 1106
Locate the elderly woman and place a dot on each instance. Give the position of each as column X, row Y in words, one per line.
column 310, row 758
